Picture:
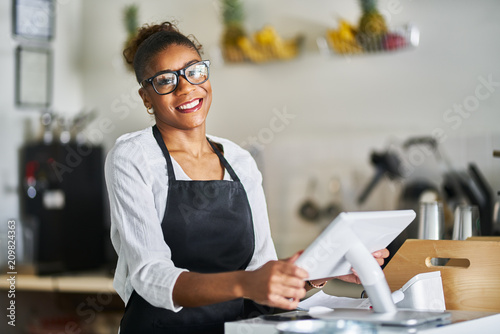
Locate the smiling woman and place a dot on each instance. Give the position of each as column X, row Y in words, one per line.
column 189, row 252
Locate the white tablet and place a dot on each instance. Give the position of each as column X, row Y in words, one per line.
column 324, row 258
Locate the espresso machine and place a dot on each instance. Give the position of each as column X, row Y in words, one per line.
column 62, row 203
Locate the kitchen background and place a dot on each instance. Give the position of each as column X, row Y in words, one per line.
column 311, row 122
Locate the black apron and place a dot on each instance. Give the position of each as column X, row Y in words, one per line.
column 208, row 227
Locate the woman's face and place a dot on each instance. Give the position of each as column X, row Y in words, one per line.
column 186, row 108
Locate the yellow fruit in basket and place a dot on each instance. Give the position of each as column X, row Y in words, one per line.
column 266, row 36
column 284, row 50
column 251, row 51
column 346, row 31
column 343, row 44
column 268, row 39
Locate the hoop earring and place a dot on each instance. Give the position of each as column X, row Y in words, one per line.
column 148, row 111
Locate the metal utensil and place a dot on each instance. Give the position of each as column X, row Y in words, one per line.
column 431, row 221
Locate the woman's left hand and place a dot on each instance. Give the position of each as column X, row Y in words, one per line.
column 379, row 255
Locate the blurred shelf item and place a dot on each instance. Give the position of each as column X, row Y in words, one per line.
column 371, row 34
column 346, row 40
column 263, row 46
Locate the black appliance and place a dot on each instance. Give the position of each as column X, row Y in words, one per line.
column 456, row 187
column 63, row 199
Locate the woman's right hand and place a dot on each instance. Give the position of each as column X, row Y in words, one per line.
column 276, row 284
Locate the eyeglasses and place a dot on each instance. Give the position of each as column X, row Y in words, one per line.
column 165, row 82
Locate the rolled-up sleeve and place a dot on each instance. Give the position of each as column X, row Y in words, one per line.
column 144, row 259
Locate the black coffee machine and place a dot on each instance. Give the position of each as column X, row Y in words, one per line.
column 62, row 202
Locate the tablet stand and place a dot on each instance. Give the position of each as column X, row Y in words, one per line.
column 373, row 279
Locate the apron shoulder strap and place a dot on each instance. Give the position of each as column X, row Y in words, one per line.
column 161, row 143
column 224, row 162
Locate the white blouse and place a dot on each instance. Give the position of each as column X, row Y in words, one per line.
column 137, row 183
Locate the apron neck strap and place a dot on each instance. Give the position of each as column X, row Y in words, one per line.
column 170, row 168
column 161, row 143
column 224, row 162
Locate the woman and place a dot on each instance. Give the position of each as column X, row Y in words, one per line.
column 188, row 213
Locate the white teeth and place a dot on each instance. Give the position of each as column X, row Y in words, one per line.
column 190, row 105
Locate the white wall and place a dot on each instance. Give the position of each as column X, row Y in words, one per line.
column 20, row 124
column 409, row 90
column 340, row 108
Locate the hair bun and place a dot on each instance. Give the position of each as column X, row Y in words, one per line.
column 143, row 33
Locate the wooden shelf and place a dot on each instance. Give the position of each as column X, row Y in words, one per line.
column 69, row 284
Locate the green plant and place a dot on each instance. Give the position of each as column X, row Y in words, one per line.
column 130, row 19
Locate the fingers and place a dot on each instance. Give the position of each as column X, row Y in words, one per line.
column 292, row 270
column 284, row 303
column 286, row 275
column 380, row 255
column 291, row 292
column 289, row 281
column 279, row 284
column 294, row 257
column 350, row 278
column 286, row 296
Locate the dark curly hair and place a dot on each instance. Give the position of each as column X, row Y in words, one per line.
column 151, row 39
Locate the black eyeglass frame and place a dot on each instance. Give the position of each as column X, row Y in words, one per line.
column 181, row 72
